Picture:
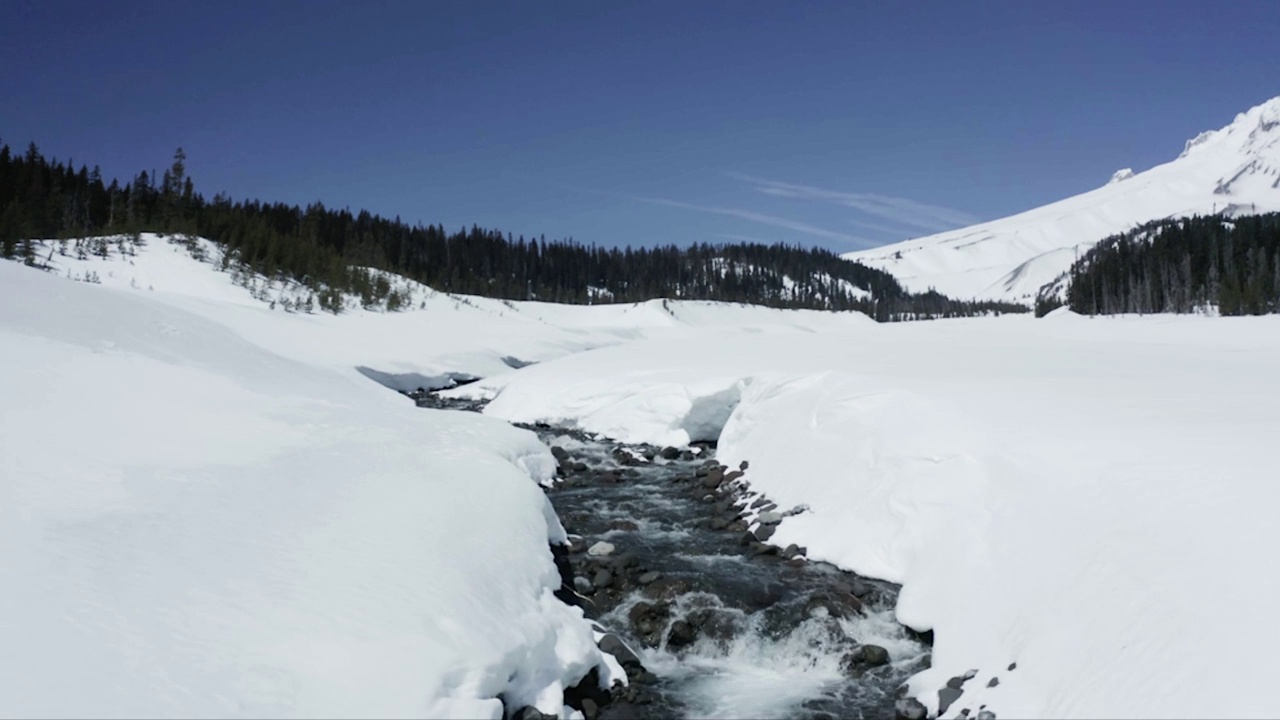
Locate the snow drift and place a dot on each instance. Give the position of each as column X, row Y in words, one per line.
column 1232, row 170
column 192, row 526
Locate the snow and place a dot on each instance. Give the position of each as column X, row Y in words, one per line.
column 1088, row 498
column 192, row 525
column 1235, row 169
column 208, row 507
column 441, row 336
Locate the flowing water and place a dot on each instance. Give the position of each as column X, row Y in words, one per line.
column 724, row 626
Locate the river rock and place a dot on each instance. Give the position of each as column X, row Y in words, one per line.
column 670, row 453
column 859, row 588
column 760, row 502
column 837, row 604
column 626, row 657
column 583, row 586
column 986, row 715
column 743, row 465
column 874, row 655
column 764, row 532
column 769, row 517
column 863, row 658
column 667, row 588
column 601, row 549
column 648, row 620
column 603, row 579
column 624, row 525
column 649, row 577
column 993, row 682
column 559, row 453
column 713, row 479
column 682, row 634
column 733, row 475
column 946, row 696
column 590, row 709
column 910, row 709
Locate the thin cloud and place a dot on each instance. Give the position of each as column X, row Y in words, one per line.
column 752, row 216
column 904, row 211
column 749, row 215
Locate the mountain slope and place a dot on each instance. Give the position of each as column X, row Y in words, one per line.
column 1234, row 170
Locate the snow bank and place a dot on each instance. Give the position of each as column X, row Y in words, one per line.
column 191, row 525
column 1087, row 498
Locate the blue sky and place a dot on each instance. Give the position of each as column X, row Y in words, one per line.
column 838, row 124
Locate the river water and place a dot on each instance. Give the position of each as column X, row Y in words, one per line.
column 724, row 626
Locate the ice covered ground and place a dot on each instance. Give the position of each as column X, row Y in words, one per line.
column 194, row 526
column 1091, row 499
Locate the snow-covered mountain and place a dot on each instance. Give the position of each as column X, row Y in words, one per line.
column 1233, row 170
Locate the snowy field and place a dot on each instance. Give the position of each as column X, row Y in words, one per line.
column 1088, row 498
column 209, row 510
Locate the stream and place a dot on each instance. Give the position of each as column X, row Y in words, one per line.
column 708, row 621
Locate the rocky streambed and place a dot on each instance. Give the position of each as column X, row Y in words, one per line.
column 669, row 554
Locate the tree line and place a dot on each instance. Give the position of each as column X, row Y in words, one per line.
column 1177, row 266
column 331, row 251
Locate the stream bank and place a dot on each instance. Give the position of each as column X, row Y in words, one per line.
column 669, row 554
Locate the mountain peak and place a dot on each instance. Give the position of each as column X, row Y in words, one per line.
column 1231, row 170
column 1121, row 174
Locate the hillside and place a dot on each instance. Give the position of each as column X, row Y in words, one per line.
column 335, row 252
column 1233, row 170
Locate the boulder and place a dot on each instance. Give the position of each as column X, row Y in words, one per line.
column 670, row 453
column 559, row 453
column 603, row 579
column 769, row 517
column 583, row 586
column 764, row 532
column 649, row 577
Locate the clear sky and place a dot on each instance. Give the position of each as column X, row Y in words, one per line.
column 840, row 124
